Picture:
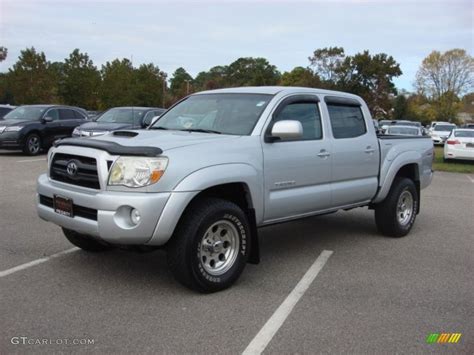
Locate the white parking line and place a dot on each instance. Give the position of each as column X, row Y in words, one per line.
column 30, row 160
column 265, row 335
column 35, row 262
column 470, row 178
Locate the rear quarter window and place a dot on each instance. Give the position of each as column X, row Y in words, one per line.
column 79, row 115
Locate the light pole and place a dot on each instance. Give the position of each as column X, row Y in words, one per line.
column 187, row 86
column 164, row 88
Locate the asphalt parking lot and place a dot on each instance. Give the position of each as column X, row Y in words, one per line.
column 373, row 295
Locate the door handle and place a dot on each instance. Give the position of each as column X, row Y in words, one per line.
column 369, row 150
column 323, row 153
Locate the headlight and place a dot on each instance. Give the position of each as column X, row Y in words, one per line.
column 13, row 128
column 2, row 128
column 76, row 132
column 137, row 171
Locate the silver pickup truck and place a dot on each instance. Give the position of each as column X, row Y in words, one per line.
column 220, row 164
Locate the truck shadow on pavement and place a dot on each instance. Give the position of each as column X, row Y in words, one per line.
column 299, row 241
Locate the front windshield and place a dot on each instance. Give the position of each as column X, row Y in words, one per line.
column 403, row 130
column 30, row 113
column 443, row 127
column 220, row 113
column 464, row 134
column 122, row 115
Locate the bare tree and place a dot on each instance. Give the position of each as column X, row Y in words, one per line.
column 326, row 62
column 443, row 73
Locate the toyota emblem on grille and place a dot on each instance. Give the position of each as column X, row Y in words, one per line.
column 71, row 168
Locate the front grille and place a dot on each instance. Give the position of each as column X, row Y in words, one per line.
column 86, row 174
column 80, row 211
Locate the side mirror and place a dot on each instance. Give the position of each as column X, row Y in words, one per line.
column 47, row 119
column 287, row 129
column 154, row 119
column 150, row 122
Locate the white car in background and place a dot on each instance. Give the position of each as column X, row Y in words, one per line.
column 384, row 124
column 460, row 145
column 404, row 131
column 441, row 132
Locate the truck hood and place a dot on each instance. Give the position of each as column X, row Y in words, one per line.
column 104, row 126
column 165, row 140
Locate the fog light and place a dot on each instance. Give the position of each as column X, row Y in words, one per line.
column 135, row 216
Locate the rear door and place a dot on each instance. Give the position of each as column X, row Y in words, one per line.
column 355, row 152
column 70, row 119
column 297, row 172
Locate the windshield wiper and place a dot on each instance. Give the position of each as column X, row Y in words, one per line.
column 153, row 127
column 200, row 130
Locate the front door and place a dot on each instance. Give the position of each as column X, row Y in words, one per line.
column 297, row 172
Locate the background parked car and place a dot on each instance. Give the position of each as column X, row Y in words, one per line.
column 31, row 128
column 406, row 123
column 4, row 109
column 460, row 145
column 384, row 124
column 118, row 118
column 404, row 131
column 441, row 132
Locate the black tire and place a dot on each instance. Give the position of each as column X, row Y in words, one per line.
column 86, row 242
column 188, row 255
column 387, row 217
column 32, row 145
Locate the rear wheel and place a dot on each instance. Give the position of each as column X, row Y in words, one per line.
column 86, row 242
column 396, row 215
column 209, row 249
column 32, row 144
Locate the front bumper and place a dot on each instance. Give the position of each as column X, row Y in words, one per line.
column 111, row 222
column 439, row 140
column 10, row 140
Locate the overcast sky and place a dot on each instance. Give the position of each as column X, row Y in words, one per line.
column 198, row 35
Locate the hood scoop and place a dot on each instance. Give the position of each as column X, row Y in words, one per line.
column 129, row 134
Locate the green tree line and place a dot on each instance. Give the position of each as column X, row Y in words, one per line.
column 441, row 82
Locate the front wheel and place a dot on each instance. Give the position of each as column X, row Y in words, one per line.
column 210, row 247
column 396, row 215
column 32, row 144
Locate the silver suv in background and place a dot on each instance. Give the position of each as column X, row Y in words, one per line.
column 219, row 165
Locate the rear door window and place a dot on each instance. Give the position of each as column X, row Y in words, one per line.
column 346, row 121
column 67, row 114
